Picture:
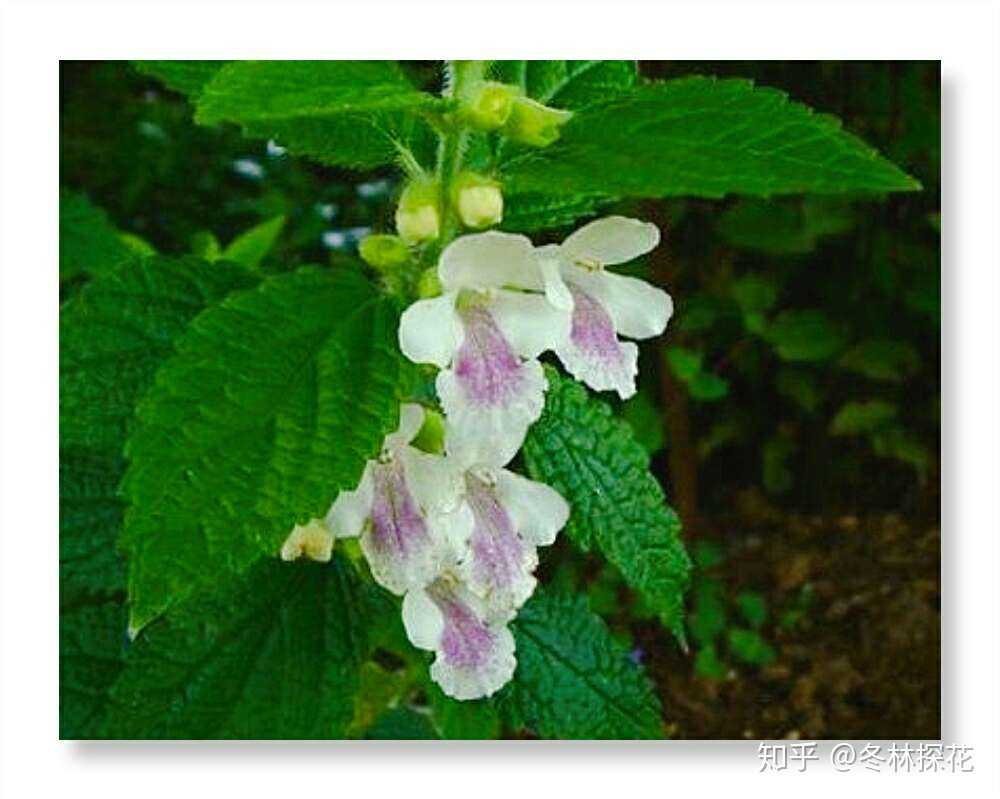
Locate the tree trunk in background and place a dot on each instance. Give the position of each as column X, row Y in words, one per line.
column 683, row 456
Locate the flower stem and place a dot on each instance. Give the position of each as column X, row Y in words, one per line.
column 462, row 75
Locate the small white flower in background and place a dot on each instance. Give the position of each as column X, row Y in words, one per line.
column 403, row 509
column 313, row 540
column 485, row 333
column 606, row 305
column 511, row 517
column 475, row 650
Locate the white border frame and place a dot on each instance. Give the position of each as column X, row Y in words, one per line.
column 35, row 35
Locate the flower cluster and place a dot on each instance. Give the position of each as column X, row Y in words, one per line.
column 456, row 534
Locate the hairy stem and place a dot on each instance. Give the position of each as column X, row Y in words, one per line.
column 462, row 75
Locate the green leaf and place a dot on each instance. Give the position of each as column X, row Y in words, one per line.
column 115, row 333
column 708, row 387
column 344, row 113
column 187, row 77
column 708, row 664
column 750, row 647
column 593, row 460
column 889, row 361
column 91, row 652
column 271, row 406
column 642, row 415
column 685, row 363
column 113, row 336
column 463, row 721
column 784, row 226
column 902, row 446
column 402, row 724
column 805, row 335
column 274, row 654
column 89, row 245
column 755, row 294
column 568, row 84
column 753, row 606
column 204, row 244
column 572, row 679
column 800, row 387
column 856, row 418
column 563, row 84
column 708, row 619
column 703, row 137
column 250, row 247
column 531, row 211
column 90, row 520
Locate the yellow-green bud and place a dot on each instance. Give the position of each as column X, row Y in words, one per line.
column 532, row 123
column 478, row 199
column 488, row 106
column 384, row 252
column 431, row 435
column 418, row 216
column 429, row 284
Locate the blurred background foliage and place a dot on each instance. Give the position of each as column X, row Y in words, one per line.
column 792, row 410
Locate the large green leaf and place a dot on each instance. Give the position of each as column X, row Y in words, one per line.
column 91, row 651
column 90, row 520
column 88, row 243
column 271, row 406
column 572, row 679
column 274, row 654
column 703, row 137
column 187, row 77
column 347, row 113
column 593, row 460
column 563, row 84
column 568, row 84
column 113, row 336
column 115, row 333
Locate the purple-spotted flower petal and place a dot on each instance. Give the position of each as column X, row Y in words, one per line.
column 486, row 332
column 404, row 510
column 475, row 650
column 606, row 305
column 512, row 516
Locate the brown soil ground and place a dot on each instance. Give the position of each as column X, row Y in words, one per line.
column 864, row 660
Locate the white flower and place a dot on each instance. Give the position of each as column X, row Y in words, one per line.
column 404, row 510
column 314, row 540
column 511, row 516
column 475, row 650
column 486, row 332
column 606, row 305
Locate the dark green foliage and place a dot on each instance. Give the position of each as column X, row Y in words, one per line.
column 469, row 720
column 91, row 652
column 117, row 331
column 88, row 243
column 274, row 654
column 573, row 680
column 402, row 724
column 704, row 137
column 270, row 407
column 187, row 77
column 350, row 113
column 592, row 459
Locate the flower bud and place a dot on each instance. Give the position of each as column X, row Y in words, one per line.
column 384, row 252
column 532, row 123
column 429, row 284
column 478, row 199
column 431, row 436
column 418, row 216
column 488, row 107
